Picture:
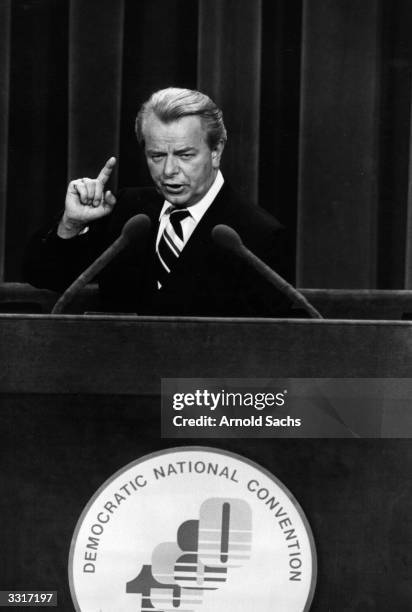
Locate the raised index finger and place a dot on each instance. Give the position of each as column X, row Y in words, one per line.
column 106, row 171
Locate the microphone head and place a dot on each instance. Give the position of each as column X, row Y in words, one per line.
column 227, row 238
column 136, row 228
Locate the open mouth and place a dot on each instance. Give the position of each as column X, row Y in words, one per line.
column 173, row 187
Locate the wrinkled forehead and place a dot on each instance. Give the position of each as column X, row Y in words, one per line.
column 185, row 132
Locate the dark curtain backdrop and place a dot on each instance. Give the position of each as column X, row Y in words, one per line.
column 317, row 102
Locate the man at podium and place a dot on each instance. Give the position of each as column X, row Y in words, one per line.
column 174, row 266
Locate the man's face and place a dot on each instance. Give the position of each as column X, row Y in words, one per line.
column 180, row 161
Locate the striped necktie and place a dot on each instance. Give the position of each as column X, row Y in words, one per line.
column 170, row 244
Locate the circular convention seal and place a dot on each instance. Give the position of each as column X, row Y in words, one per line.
column 192, row 529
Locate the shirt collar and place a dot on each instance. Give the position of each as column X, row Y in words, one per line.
column 198, row 210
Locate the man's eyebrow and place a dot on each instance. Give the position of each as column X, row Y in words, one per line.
column 152, row 151
column 186, row 150
column 178, row 151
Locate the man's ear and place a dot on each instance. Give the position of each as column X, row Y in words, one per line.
column 217, row 153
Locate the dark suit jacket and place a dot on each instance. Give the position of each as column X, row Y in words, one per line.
column 206, row 281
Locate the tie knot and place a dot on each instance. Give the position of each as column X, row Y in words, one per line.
column 176, row 217
column 178, row 213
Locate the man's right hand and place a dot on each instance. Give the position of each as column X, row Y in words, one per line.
column 86, row 202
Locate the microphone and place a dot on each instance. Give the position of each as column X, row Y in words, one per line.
column 227, row 238
column 135, row 229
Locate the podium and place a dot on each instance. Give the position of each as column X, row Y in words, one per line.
column 80, row 398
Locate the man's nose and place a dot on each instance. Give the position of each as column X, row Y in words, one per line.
column 171, row 166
